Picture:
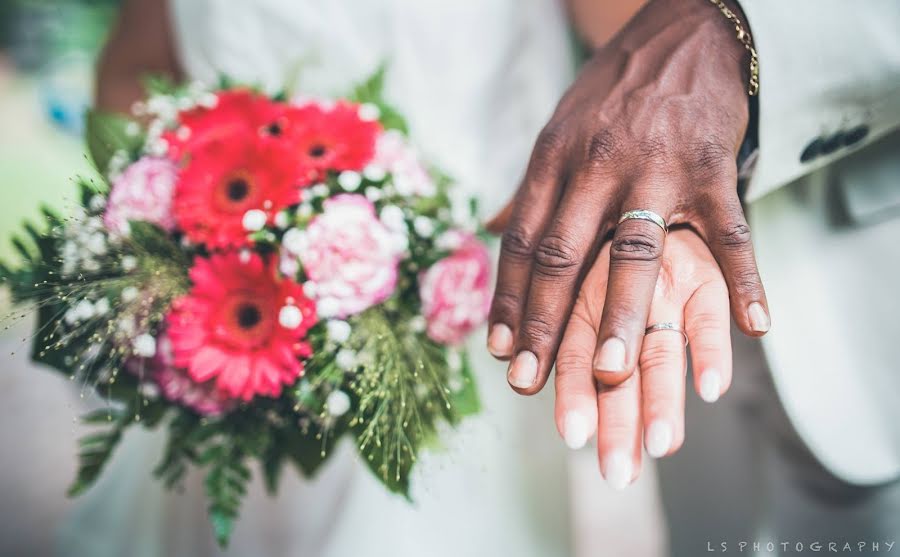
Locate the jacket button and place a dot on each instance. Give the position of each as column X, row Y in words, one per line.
column 855, row 135
column 833, row 143
column 813, row 150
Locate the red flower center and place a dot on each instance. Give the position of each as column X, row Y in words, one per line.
column 317, row 151
column 248, row 316
column 238, row 189
column 247, row 319
column 274, row 129
column 236, row 193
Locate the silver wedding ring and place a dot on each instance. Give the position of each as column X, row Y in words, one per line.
column 644, row 214
column 666, row 326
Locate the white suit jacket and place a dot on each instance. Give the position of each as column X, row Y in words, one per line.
column 824, row 206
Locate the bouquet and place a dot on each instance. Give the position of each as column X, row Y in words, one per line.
column 260, row 275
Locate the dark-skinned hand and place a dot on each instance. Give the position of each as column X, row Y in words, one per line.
column 653, row 121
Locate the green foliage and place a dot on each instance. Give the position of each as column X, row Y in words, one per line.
column 372, row 91
column 226, row 484
column 402, row 394
column 95, row 452
column 34, row 247
column 35, row 280
column 107, row 133
column 97, row 448
column 465, row 401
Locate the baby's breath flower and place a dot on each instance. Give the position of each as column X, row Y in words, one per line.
column 337, row 403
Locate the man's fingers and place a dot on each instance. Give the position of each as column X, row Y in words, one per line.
column 707, row 325
column 576, row 392
column 556, row 272
column 635, row 256
column 534, row 204
column 619, row 431
column 728, row 237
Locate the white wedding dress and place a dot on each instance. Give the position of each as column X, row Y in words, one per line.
column 476, row 79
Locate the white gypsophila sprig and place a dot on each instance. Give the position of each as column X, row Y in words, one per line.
column 163, row 111
column 85, row 244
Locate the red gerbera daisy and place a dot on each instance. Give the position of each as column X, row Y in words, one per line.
column 332, row 138
column 242, row 326
column 224, row 180
column 236, row 112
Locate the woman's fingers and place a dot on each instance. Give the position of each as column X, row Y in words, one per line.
column 707, row 323
column 663, row 366
column 576, row 393
column 619, row 431
column 576, row 390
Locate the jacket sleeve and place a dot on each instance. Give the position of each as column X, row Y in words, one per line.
column 829, row 82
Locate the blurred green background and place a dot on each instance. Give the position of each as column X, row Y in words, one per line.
column 47, row 54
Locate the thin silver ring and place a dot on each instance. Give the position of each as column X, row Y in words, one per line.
column 645, row 214
column 666, row 326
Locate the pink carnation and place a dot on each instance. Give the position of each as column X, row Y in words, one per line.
column 394, row 155
column 176, row 384
column 349, row 255
column 456, row 292
column 142, row 193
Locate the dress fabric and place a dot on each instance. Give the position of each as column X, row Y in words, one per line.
column 476, row 80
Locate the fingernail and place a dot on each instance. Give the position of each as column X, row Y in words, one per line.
column 658, row 439
column 500, row 341
column 523, row 370
column 575, row 430
column 759, row 318
column 710, row 385
column 617, row 469
column 611, row 356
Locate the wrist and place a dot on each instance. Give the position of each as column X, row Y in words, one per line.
column 667, row 25
column 733, row 17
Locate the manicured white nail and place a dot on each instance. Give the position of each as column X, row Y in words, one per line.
column 658, row 438
column 611, row 356
column 617, row 469
column 759, row 318
column 710, row 385
column 575, row 430
column 500, row 341
column 523, row 370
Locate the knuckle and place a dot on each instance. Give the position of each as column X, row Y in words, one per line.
column 706, row 325
column 636, row 246
column 517, row 243
column 653, row 149
column 556, row 255
column 504, row 304
column 550, row 142
column 537, row 329
column 662, row 357
column 734, row 236
column 602, row 148
column 709, row 154
column 573, row 361
column 746, row 282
